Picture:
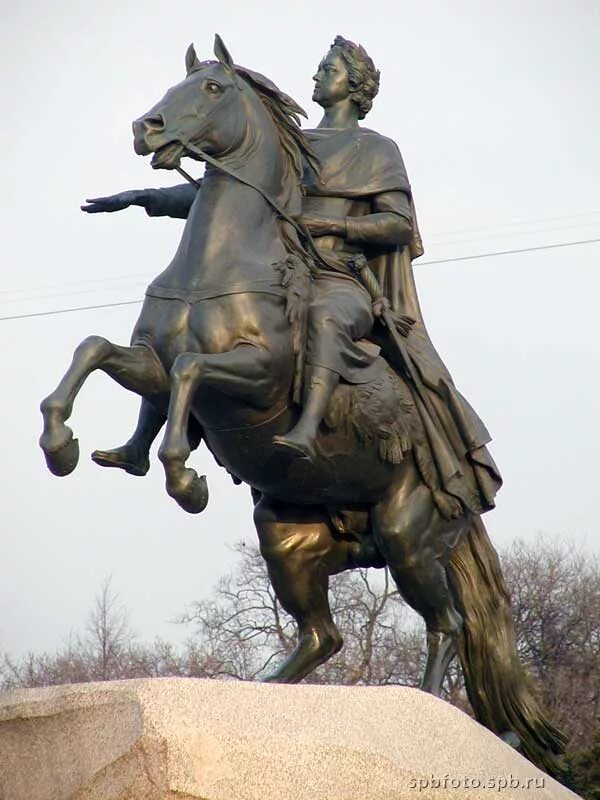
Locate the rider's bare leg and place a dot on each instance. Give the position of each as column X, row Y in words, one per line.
column 245, row 372
column 133, row 456
column 409, row 530
column 301, row 552
column 135, row 368
column 320, row 385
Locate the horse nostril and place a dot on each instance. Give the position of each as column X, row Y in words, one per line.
column 154, row 123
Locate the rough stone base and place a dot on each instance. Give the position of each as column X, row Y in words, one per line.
column 190, row 739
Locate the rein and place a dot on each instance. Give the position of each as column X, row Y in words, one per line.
column 300, row 229
column 232, row 174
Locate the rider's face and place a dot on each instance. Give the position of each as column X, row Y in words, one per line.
column 331, row 81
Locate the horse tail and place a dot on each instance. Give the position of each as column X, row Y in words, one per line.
column 499, row 689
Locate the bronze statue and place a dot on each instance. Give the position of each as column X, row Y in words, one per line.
column 286, row 334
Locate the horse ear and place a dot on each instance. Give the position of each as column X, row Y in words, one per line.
column 191, row 59
column 222, row 53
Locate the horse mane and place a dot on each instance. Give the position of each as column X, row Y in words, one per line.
column 285, row 113
column 297, row 268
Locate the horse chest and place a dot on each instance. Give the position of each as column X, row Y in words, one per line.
column 221, row 324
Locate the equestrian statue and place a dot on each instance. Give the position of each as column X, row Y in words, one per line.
column 286, row 335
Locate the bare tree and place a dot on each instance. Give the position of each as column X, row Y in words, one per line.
column 69, row 665
column 241, row 631
column 105, row 652
column 585, row 769
column 383, row 640
column 556, row 605
column 108, row 636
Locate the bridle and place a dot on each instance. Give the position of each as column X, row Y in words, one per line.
column 236, row 176
column 301, row 229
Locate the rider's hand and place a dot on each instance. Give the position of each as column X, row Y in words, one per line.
column 380, row 306
column 403, row 324
column 114, row 202
column 324, row 226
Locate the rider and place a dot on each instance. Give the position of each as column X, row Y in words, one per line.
column 360, row 200
column 358, row 206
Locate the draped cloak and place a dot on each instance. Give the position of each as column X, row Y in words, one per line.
column 360, row 163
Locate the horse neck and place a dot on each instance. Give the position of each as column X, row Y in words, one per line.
column 258, row 159
column 232, row 234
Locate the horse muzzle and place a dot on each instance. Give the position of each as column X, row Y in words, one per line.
column 145, row 130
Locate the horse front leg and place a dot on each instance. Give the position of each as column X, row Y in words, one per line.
column 135, row 368
column 244, row 372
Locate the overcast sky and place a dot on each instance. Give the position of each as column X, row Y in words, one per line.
column 496, row 109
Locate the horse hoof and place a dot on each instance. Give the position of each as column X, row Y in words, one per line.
column 64, row 459
column 273, row 678
column 310, row 652
column 191, row 492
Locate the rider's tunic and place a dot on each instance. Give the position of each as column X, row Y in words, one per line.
column 361, row 174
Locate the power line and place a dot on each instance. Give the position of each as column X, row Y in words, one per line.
column 515, row 223
column 434, row 240
column 68, row 310
column 72, row 283
column 509, row 252
column 420, row 263
column 478, row 237
column 61, row 291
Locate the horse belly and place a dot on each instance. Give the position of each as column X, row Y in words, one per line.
column 337, row 477
column 364, row 444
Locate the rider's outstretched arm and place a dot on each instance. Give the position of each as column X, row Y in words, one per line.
column 172, row 201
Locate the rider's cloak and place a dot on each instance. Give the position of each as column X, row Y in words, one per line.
column 360, row 163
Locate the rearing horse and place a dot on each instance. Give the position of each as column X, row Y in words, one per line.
column 216, row 350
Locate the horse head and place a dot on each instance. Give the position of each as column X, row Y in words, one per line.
column 204, row 109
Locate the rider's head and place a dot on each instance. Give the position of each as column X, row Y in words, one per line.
column 362, row 77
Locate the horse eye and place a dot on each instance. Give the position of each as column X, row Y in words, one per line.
column 213, row 88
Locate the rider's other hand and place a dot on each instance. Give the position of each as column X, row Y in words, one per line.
column 114, row 202
column 403, row 324
column 324, row 226
column 382, row 309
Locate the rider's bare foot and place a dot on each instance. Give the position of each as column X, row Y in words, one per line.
column 131, row 458
column 295, row 446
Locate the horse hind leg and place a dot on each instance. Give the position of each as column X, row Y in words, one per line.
column 411, row 533
column 135, row 368
column 300, row 552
